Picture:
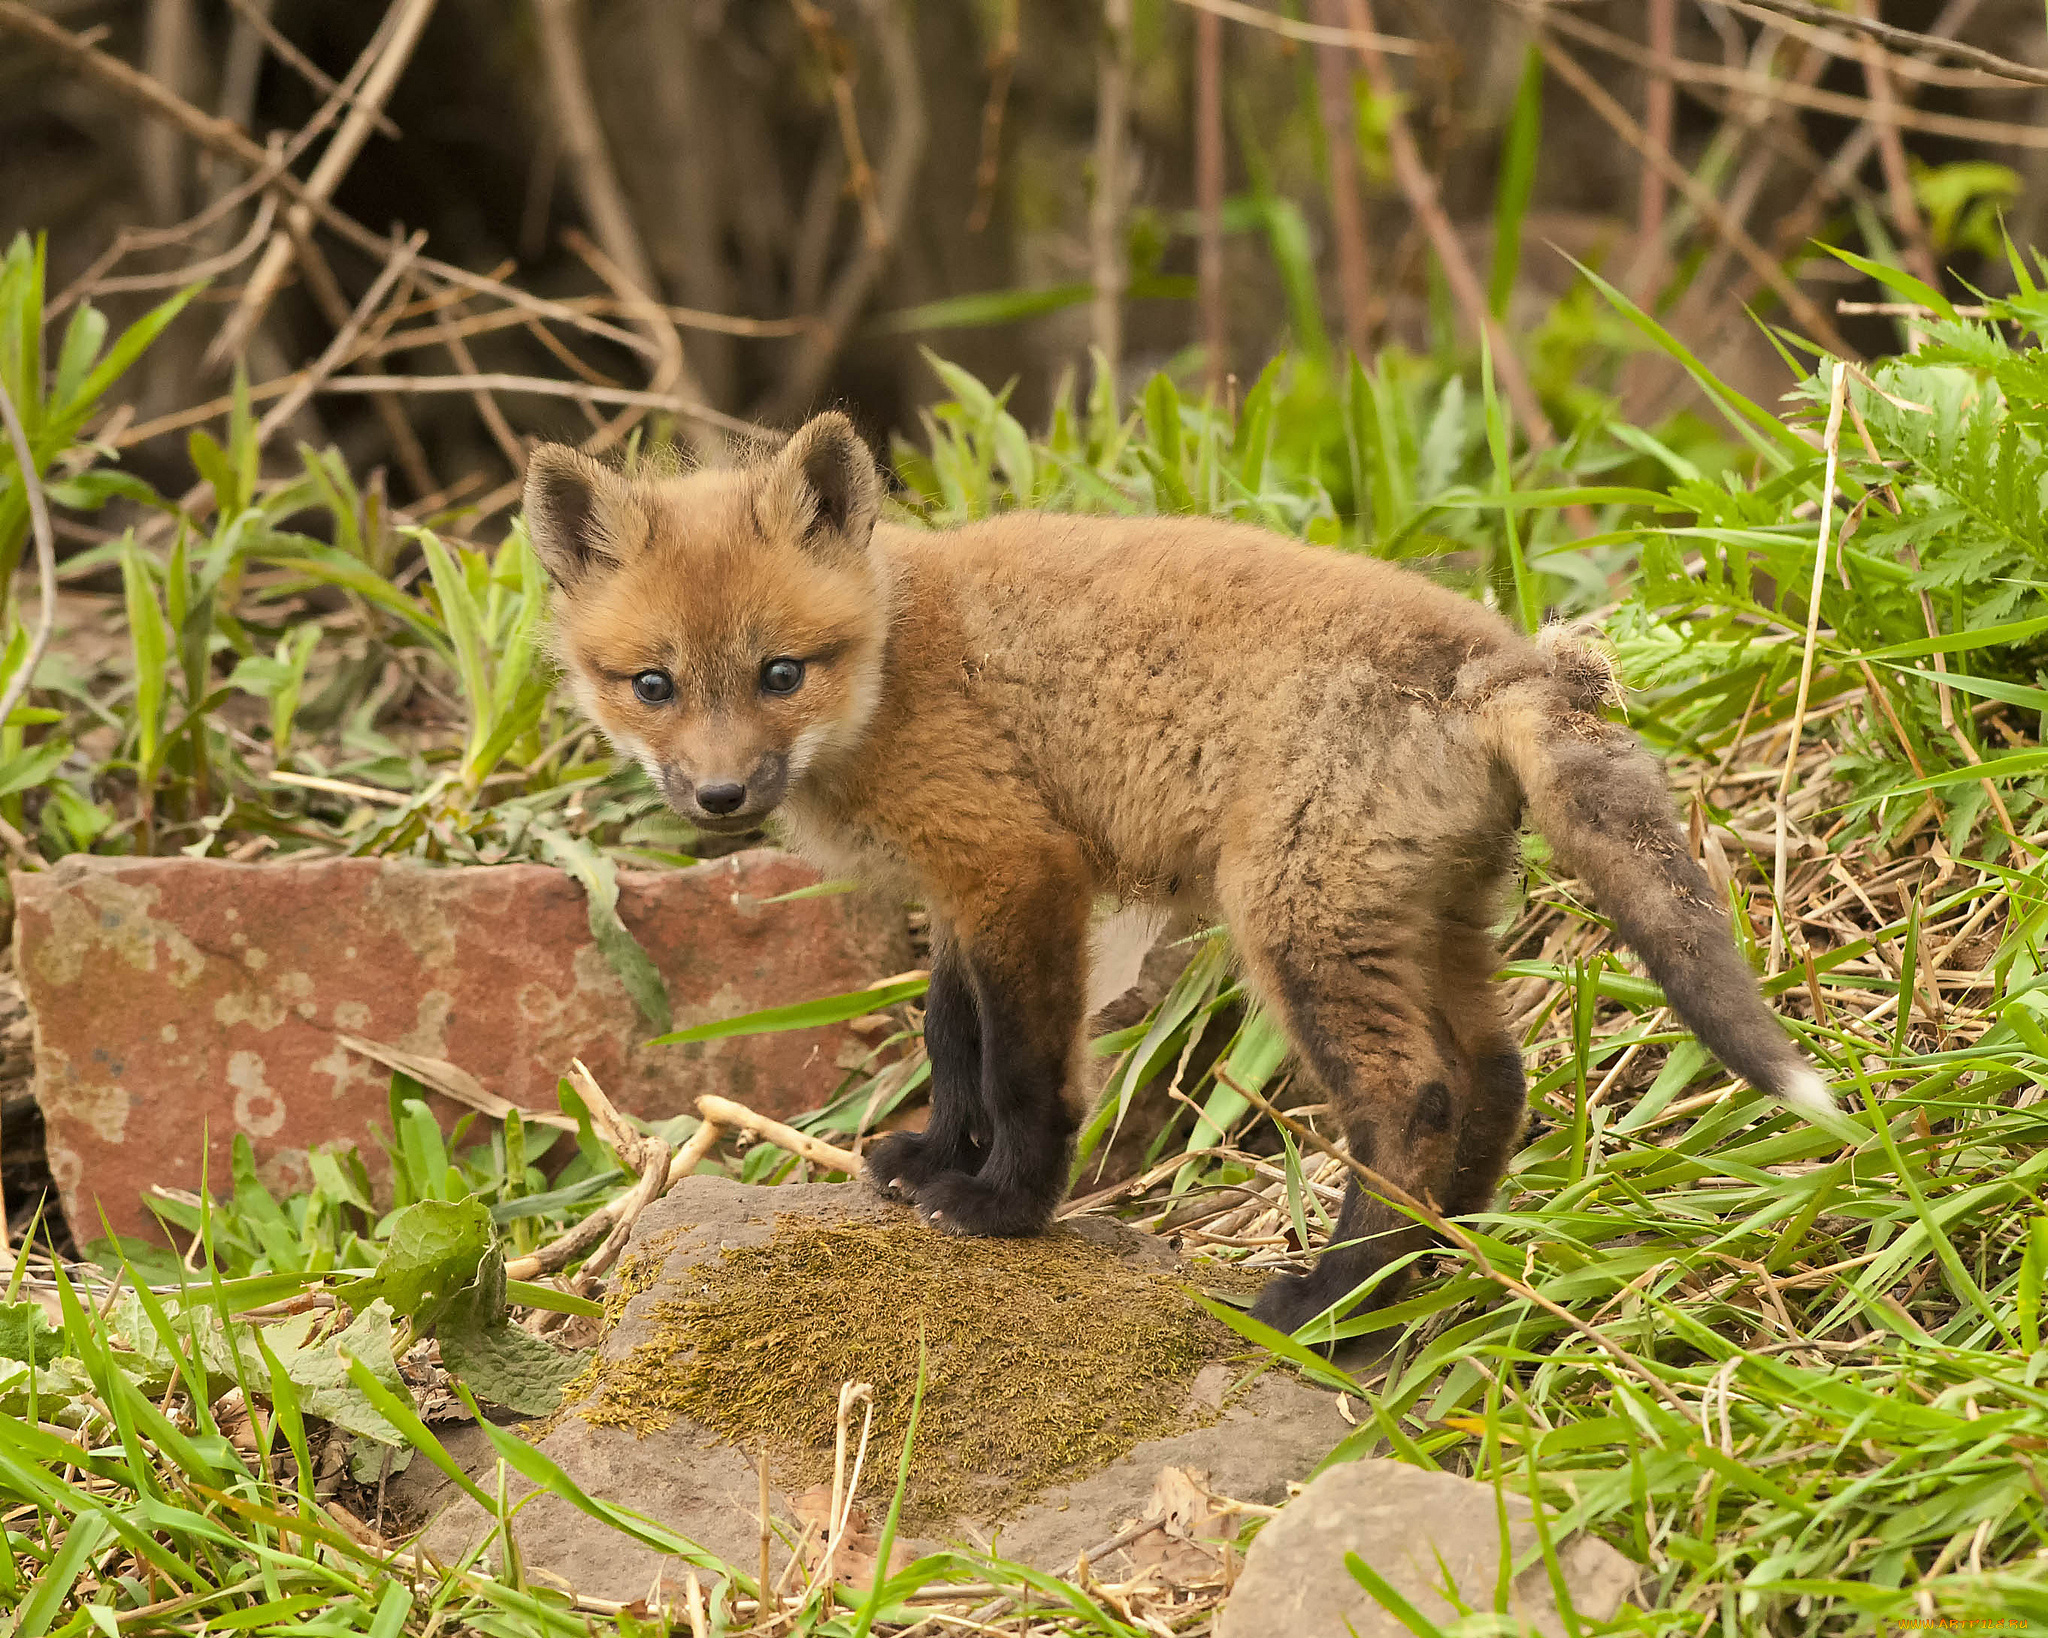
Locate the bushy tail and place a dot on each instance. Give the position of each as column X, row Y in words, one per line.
column 1601, row 801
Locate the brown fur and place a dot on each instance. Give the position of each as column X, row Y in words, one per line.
column 1015, row 719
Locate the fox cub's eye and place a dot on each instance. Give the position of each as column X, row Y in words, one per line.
column 654, row 687
column 783, row 676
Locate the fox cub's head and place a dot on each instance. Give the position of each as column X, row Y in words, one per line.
column 726, row 627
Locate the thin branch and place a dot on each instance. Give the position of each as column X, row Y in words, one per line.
column 671, row 373
column 1906, row 67
column 1802, row 308
column 327, row 293
column 838, row 59
column 308, row 70
column 1692, row 75
column 404, row 23
column 1660, row 102
column 1347, row 211
column 171, row 53
column 486, row 406
column 632, row 273
column 583, row 141
column 901, row 161
column 1002, row 67
column 647, row 1155
column 1891, row 149
column 1287, row 28
column 1840, row 172
column 1423, row 199
column 545, row 387
column 817, row 1151
column 193, row 272
column 473, row 324
column 227, row 141
column 1708, row 283
column 1209, row 199
column 1106, row 208
column 1906, row 39
column 338, row 350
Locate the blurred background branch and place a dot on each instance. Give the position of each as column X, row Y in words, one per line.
column 812, row 191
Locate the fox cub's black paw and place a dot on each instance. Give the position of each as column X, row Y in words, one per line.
column 904, row 1162
column 962, row 1204
column 1287, row 1302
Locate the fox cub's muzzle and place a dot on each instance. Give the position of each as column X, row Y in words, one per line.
column 723, row 801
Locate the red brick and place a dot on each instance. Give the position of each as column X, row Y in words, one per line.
column 175, row 997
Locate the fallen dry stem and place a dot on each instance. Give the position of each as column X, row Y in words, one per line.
column 1832, row 442
column 613, row 1221
column 647, row 1156
column 737, row 1116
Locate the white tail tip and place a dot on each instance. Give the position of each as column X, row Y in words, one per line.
column 1806, row 1091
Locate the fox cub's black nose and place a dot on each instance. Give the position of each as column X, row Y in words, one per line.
column 725, row 798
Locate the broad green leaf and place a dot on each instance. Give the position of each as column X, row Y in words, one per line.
column 500, row 1361
column 26, row 1335
column 434, row 1251
column 318, row 1368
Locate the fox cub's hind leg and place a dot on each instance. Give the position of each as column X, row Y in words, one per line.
column 994, row 1157
column 1497, row 1111
column 1377, row 995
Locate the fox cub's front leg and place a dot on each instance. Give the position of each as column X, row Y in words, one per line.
column 1004, row 1014
column 956, row 1137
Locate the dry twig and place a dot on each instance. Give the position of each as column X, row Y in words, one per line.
column 1289, row 28
column 619, row 256
column 1802, row 308
column 1002, row 65
column 1347, row 212
column 1106, row 205
column 1906, row 39
column 738, row 1117
column 1660, row 100
column 1215, row 327
column 258, row 18
column 393, row 49
column 1424, row 200
column 1891, row 148
column 901, row 158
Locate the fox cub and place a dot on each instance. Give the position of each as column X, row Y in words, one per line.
column 1014, row 720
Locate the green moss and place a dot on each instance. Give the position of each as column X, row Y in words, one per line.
column 1046, row 1358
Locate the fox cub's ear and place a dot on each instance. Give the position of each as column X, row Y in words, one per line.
column 579, row 515
column 827, row 487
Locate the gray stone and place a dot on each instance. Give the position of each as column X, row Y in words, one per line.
column 1274, row 1431
column 1421, row 1531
